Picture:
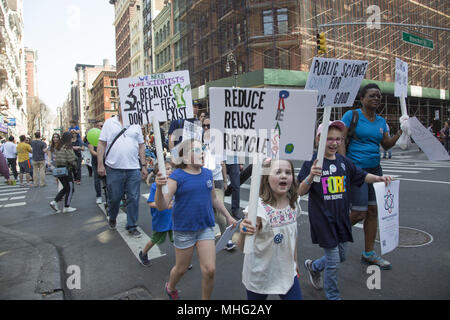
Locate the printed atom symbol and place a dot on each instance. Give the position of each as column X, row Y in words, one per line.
column 389, row 201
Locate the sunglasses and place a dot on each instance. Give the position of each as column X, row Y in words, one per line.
column 207, row 126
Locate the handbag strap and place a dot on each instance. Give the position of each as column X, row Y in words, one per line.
column 115, row 139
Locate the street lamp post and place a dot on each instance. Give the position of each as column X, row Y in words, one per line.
column 232, row 58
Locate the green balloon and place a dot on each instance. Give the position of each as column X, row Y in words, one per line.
column 93, row 135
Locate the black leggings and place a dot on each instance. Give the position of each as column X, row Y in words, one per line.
column 67, row 190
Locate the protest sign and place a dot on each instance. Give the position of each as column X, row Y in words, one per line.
column 166, row 96
column 388, row 214
column 274, row 122
column 425, row 140
column 337, row 81
column 401, row 78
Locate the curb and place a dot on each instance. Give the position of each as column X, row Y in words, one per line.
column 48, row 283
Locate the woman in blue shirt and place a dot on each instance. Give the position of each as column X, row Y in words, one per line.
column 193, row 215
column 364, row 150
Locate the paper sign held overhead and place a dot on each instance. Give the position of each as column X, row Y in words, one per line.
column 337, row 81
column 166, row 96
column 274, row 122
column 401, row 78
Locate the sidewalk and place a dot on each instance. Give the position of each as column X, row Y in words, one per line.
column 29, row 267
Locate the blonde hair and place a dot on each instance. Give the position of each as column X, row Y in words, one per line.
column 183, row 145
column 266, row 193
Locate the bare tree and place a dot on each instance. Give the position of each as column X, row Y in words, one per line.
column 38, row 114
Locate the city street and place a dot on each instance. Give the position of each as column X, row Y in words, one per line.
column 107, row 260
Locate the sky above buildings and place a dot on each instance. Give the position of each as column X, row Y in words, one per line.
column 66, row 33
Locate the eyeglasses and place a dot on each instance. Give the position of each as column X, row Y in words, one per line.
column 338, row 140
column 374, row 95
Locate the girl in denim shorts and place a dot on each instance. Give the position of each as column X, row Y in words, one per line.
column 193, row 215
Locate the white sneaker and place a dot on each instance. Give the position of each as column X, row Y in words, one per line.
column 99, row 200
column 69, row 209
column 54, row 206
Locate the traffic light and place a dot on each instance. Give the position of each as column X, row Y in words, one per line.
column 321, row 43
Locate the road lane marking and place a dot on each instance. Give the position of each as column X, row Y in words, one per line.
column 135, row 244
column 15, row 204
column 430, row 181
column 401, row 171
column 403, row 167
column 12, row 193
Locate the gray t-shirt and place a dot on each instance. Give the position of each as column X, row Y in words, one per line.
column 38, row 147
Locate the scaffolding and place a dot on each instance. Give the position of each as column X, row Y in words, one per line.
column 281, row 34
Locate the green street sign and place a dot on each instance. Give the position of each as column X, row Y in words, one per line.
column 418, row 41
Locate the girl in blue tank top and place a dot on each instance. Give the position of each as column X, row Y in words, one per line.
column 193, row 215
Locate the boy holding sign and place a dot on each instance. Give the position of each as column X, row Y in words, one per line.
column 329, row 205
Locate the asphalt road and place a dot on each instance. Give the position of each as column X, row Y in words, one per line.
column 109, row 268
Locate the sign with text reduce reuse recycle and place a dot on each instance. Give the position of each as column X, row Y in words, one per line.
column 274, row 122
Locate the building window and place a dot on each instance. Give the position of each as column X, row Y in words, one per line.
column 281, row 25
column 268, row 59
column 284, row 59
column 268, row 22
column 282, row 20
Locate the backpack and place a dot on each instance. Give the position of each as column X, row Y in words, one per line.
column 351, row 130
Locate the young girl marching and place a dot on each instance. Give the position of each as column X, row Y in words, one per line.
column 272, row 267
column 329, row 207
column 193, row 216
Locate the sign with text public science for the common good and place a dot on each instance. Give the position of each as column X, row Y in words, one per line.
column 274, row 122
column 336, row 80
column 166, row 96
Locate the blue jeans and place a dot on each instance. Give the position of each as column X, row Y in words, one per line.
column 330, row 264
column 118, row 182
column 235, row 184
column 98, row 189
column 294, row 293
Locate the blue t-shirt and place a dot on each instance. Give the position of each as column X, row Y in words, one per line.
column 161, row 220
column 329, row 200
column 365, row 150
column 193, row 209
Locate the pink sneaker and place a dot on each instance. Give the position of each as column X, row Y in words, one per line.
column 173, row 295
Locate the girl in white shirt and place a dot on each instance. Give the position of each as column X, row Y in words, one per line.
column 272, row 267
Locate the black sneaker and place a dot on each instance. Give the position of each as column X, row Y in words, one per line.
column 112, row 224
column 314, row 276
column 144, row 259
column 134, row 233
column 230, row 245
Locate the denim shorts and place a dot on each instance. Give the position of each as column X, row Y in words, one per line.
column 188, row 239
column 364, row 196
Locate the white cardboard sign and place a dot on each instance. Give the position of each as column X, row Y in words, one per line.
column 274, row 122
column 388, row 214
column 166, row 96
column 401, row 78
column 432, row 148
column 337, row 81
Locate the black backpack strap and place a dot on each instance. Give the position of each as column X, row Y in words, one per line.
column 115, row 139
column 351, row 130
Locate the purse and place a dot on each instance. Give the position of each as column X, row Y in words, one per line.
column 60, row 172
